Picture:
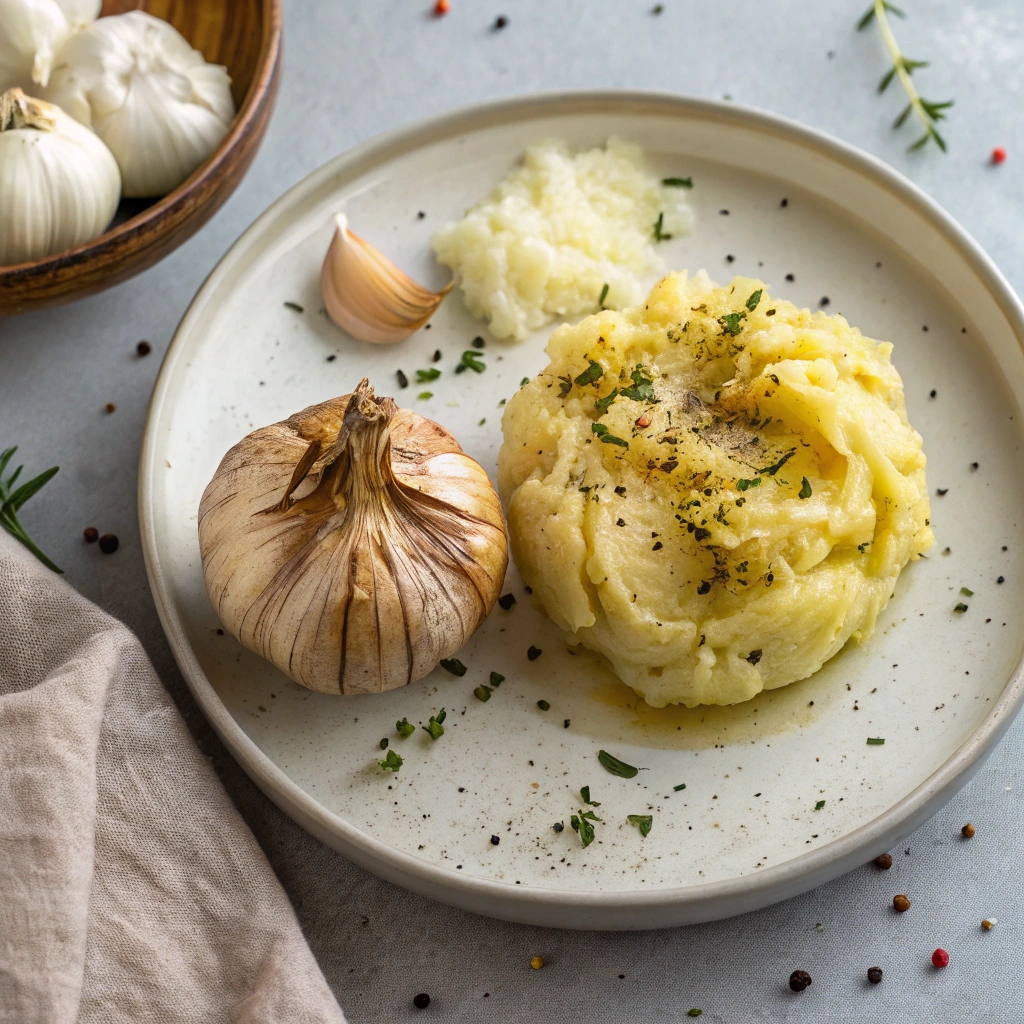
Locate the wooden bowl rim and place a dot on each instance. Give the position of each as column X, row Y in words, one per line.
column 266, row 65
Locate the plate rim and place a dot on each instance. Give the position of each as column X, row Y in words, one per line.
column 620, row 909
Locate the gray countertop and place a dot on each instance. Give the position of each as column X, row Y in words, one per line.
column 353, row 70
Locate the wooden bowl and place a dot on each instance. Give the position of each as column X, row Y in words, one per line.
column 245, row 35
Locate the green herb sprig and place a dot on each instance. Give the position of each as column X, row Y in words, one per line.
column 612, row 764
column 928, row 112
column 11, row 501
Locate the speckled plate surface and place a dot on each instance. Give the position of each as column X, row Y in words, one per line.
column 939, row 686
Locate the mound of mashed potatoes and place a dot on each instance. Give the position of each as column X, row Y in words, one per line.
column 716, row 490
column 556, row 231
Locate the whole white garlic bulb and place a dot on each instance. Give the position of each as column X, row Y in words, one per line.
column 147, row 94
column 354, row 545
column 32, row 31
column 59, row 185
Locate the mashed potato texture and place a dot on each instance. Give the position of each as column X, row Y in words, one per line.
column 556, row 231
column 716, row 490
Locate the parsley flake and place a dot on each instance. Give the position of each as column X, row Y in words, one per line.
column 875, row 741
column 405, row 728
column 585, row 794
column 755, row 298
column 643, row 387
column 818, row 806
column 642, row 822
column 742, row 485
column 960, row 607
column 612, row 764
column 676, row 789
column 497, row 679
column 731, row 322
column 471, row 360
column 805, row 490
column 602, row 432
column 483, row 693
column 659, row 233
column 392, row 762
column 454, row 666
column 434, row 728
column 772, row 470
column 591, row 375
column 966, row 592
column 677, row 182
column 422, row 376
column 603, row 403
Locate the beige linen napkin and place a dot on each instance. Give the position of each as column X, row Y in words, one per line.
column 130, row 888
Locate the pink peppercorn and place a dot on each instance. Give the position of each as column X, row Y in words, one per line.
column 940, row 958
column 998, row 155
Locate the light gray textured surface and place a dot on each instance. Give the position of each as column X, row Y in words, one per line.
column 352, row 70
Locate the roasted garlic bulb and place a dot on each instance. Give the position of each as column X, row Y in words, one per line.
column 354, row 544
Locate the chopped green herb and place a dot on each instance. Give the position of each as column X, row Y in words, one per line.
column 966, row 592
column 585, row 829
column 524, row 381
column 742, row 485
column 483, row 420
column 392, row 762
column 533, row 652
column 772, row 470
column 612, row 764
column 543, row 705
column 434, row 726
column 585, row 794
column 454, row 666
column 604, row 295
column 676, row 789
column 643, row 387
column 642, row 822
column 384, row 743
column 755, row 298
column 818, row 806
column 405, row 728
column 694, row 1012
column 591, row 375
column 12, row 500
column 659, row 234
column 497, row 679
column 875, row 741
column 862, row 547
column 731, row 322
column 604, row 403
column 678, row 182
column 471, row 360
column 602, row 432
column 483, row 693
column 805, row 490
column 403, row 381
column 425, row 395
column 422, row 376
column 565, row 386
column 961, row 607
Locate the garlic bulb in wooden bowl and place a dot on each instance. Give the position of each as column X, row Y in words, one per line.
column 354, row 544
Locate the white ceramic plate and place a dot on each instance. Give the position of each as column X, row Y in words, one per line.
column 940, row 687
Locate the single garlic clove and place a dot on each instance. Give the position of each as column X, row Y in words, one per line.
column 367, row 295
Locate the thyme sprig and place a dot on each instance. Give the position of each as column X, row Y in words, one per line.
column 11, row 501
column 928, row 112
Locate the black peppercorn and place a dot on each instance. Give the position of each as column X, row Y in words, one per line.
column 874, row 975
column 91, row 534
column 558, row 826
column 143, row 348
column 495, row 840
column 500, row 22
column 108, row 543
column 883, row 861
column 799, row 980
column 533, row 653
column 422, row 1001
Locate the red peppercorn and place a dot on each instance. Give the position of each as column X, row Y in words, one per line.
column 91, row 534
column 441, row 7
column 998, row 155
column 940, row 958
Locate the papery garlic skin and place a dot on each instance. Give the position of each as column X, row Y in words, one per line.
column 148, row 94
column 354, row 544
column 32, row 31
column 365, row 294
column 59, row 184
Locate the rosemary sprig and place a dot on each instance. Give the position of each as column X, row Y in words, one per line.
column 928, row 112
column 11, row 500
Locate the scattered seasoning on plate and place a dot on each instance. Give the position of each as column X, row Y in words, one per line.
column 441, row 8
column 875, row 741
column 533, row 653
column 974, row 467
column 295, row 306
column 543, row 705
column 506, row 601
column 612, row 764
column 932, row 393
column 405, row 728
column 966, row 592
column 384, row 743
column 694, row 1012
column 392, row 762
column 497, row 679
column 960, row 607
column 642, row 822
column 558, row 826
column 790, row 277
column 799, row 980
column 478, row 342
column 500, row 22
column 421, row 1001
column 109, row 408
column 483, row 693
column 495, row 840
column 565, row 724
column 682, row 785
column 818, row 806
column 109, row 543
column 537, row 962
column 988, row 923
column 874, row 975
column 941, row 491
column 470, row 361
column 940, row 958
column 784, row 203
column 678, row 182
column 436, row 357
column 453, row 665
column 434, row 728
column 657, row 9
column 883, row 861
column 967, row 831
column 403, row 381
column 901, row 903
column 331, row 358
column 143, row 348
column 90, row 534
column 823, row 301
column 1001, row 579
column 998, row 155
column 432, row 373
